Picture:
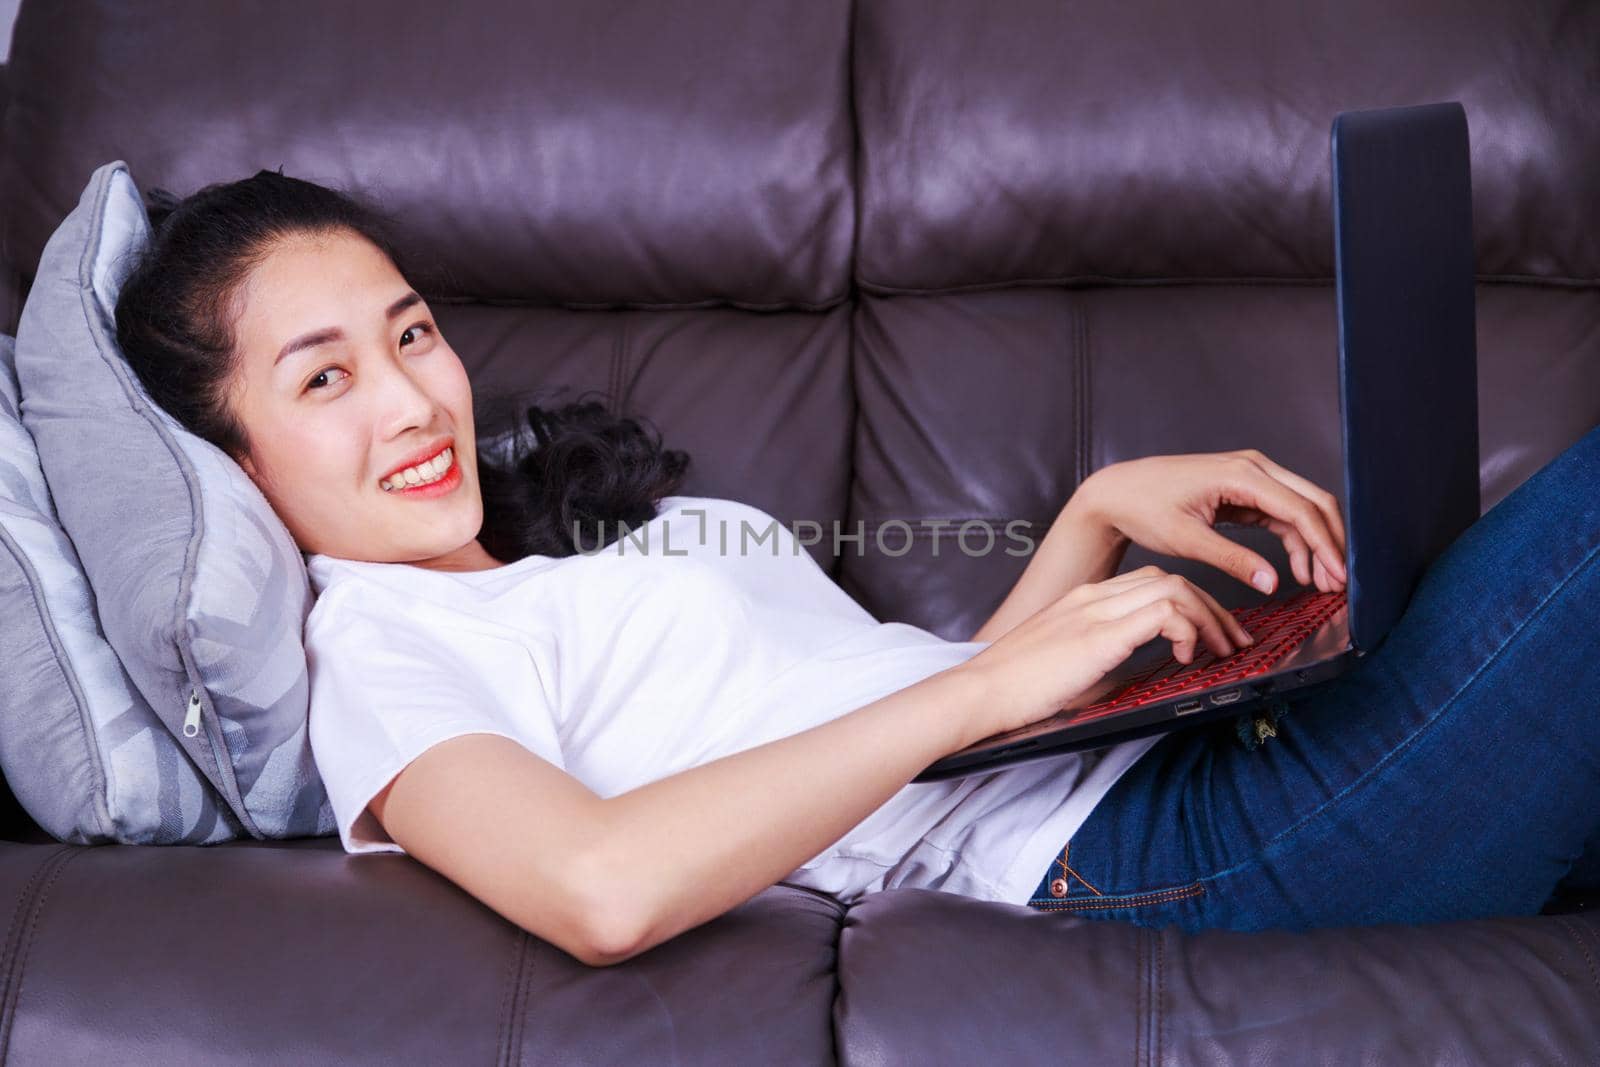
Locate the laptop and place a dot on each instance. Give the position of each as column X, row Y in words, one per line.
column 1408, row 409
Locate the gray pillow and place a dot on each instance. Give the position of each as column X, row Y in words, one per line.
column 82, row 750
column 200, row 588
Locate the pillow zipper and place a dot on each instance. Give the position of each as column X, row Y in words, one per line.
column 191, row 720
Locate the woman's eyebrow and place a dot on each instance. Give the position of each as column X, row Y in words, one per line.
column 333, row 333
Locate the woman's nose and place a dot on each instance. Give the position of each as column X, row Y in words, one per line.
column 404, row 403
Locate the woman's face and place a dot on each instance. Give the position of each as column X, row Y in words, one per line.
column 343, row 380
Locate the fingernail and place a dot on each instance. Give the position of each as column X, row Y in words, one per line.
column 1262, row 580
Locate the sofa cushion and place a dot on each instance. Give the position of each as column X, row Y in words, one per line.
column 82, row 750
column 202, row 591
column 645, row 155
column 1047, row 143
column 1041, row 987
column 379, row 960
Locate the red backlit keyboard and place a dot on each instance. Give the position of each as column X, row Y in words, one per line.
column 1278, row 628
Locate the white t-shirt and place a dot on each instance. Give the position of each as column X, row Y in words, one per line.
column 670, row 647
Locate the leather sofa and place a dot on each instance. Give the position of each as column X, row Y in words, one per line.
column 887, row 259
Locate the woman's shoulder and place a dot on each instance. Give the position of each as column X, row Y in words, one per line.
column 440, row 611
column 341, row 595
column 349, row 592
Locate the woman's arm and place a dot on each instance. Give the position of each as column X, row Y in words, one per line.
column 702, row 841
column 608, row 878
column 1080, row 547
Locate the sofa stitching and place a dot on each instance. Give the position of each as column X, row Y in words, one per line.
column 1242, row 281
column 1147, row 1020
column 827, row 304
column 853, row 116
column 873, row 525
column 519, row 1017
column 1161, row 995
column 12, row 989
column 507, row 998
column 1085, row 413
column 878, row 289
column 627, row 366
column 24, row 902
column 619, row 355
column 1141, row 1004
column 1583, row 946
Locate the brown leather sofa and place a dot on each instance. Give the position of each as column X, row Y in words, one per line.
column 886, row 259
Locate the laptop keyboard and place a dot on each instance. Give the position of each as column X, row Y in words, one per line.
column 1279, row 628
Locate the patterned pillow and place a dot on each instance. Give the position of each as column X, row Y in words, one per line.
column 201, row 590
column 83, row 752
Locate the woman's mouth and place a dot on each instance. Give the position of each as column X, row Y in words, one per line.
column 434, row 477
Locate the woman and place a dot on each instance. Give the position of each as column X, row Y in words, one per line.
column 543, row 722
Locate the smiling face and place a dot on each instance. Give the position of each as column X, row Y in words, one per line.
column 343, row 381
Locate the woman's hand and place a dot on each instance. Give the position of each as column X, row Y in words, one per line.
column 1169, row 504
column 1055, row 658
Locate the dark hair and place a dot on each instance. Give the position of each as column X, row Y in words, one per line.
column 562, row 473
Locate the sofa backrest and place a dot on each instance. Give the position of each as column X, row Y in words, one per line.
column 884, row 262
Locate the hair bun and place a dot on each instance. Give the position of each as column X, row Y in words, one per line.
column 159, row 203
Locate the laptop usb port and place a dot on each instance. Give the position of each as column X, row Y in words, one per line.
column 1186, row 706
column 1227, row 696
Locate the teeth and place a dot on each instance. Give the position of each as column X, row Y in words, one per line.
column 421, row 474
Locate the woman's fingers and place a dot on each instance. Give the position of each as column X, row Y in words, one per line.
column 1231, row 625
column 1305, row 565
column 1193, row 539
column 1301, row 558
column 1235, row 629
column 1158, row 618
column 1202, row 612
column 1260, row 490
column 1325, row 582
column 1325, row 501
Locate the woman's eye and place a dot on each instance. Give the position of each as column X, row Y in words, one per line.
column 320, row 375
column 419, row 329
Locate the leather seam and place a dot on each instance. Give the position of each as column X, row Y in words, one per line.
column 1080, row 345
column 1105, row 281
column 873, row 525
column 1141, row 1008
column 619, row 359
column 1161, row 995
column 20, row 939
column 14, row 934
column 519, row 1015
column 1573, row 929
column 853, row 116
column 510, row 1032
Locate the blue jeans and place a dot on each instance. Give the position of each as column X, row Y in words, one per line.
column 1452, row 773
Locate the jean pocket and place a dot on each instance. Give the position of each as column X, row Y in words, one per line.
column 1066, row 888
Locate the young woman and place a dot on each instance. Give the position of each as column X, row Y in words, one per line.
column 610, row 739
